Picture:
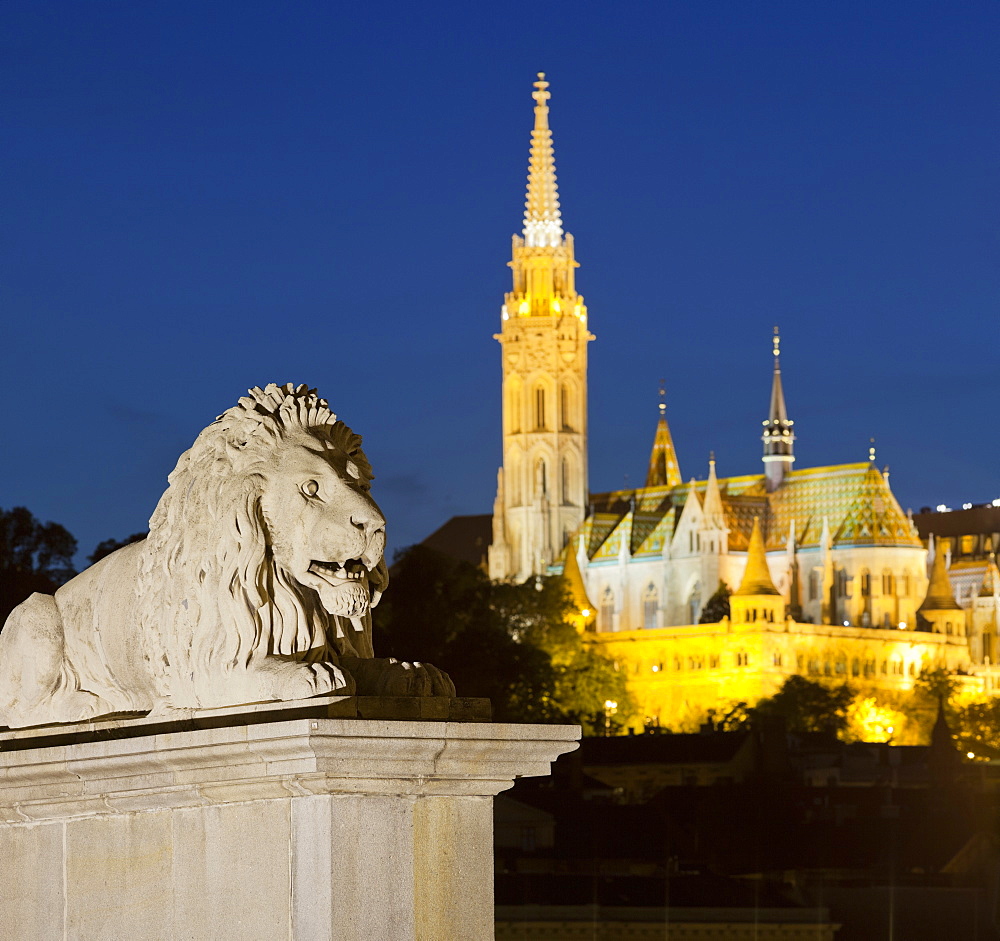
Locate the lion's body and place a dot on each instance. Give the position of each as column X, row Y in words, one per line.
column 255, row 583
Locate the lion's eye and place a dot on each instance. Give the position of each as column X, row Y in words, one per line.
column 310, row 488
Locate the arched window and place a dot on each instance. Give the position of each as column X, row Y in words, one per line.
column 541, row 477
column 565, row 408
column 512, row 481
column 514, row 408
column 566, row 484
column 694, row 603
column 650, row 607
column 539, row 407
column 866, row 584
column 888, row 583
column 607, row 618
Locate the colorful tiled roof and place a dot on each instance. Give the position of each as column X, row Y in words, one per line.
column 854, row 498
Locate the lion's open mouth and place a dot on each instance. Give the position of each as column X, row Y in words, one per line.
column 351, row 570
column 342, row 586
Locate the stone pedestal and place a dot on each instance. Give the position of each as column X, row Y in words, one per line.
column 282, row 823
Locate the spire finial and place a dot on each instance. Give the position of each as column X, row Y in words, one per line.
column 711, row 458
column 776, row 341
column 542, row 219
column 871, row 450
column 662, row 406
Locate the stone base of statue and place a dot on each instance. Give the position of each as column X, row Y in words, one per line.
column 337, row 819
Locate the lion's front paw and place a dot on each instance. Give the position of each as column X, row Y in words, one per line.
column 390, row 677
column 304, row 680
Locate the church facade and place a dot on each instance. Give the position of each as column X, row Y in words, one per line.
column 828, row 576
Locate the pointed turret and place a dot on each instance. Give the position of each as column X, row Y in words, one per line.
column 778, row 436
column 991, row 579
column 756, row 576
column 583, row 613
column 712, row 505
column 542, row 220
column 939, row 607
column 940, row 596
column 756, row 599
column 664, row 470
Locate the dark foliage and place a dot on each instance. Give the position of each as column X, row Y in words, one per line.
column 508, row 643
column 717, row 607
column 34, row 556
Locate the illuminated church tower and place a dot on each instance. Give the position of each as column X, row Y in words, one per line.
column 542, row 486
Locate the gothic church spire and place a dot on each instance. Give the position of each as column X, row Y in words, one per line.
column 542, row 219
column 778, row 436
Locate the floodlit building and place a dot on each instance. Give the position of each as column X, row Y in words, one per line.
column 715, row 589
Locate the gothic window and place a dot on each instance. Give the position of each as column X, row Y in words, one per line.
column 650, row 606
column 694, row 604
column 608, row 610
column 888, row 583
column 776, row 659
column 565, row 408
column 566, row 485
column 513, row 481
column 541, row 478
column 866, row 585
column 742, row 658
column 514, row 408
column 855, row 667
column 539, row 408
column 814, row 585
column 904, row 588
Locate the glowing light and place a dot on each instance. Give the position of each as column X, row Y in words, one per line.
column 503, row 312
column 901, row 625
column 867, row 721
column 996, row 502
column 556, row 306
column 656, row 668
column 585, row 612
column 610, row 705
column 847, row 623
column 966, row 506
column 970, row 754
column 524, row 308
column 941, row 508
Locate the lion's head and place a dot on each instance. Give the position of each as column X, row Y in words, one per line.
column 266, row 542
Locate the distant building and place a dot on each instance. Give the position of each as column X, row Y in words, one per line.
column 829, row 577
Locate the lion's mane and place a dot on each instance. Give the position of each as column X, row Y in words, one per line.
column 210, row 595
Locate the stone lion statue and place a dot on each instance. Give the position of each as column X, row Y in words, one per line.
column 256, row 583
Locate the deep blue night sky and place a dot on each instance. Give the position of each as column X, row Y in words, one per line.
column 198, row 197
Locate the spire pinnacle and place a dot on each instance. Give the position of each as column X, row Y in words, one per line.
column 542, row 219
column 778, row 436
column 663, row 468
column 871, row 451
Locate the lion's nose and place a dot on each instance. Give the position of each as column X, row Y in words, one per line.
column 368, row 523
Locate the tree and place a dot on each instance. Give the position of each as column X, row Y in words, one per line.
column 510, row 643
column 937, row 685
column 717, row 607
column 806, row 706
column 34, row 556
column 108, row 546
